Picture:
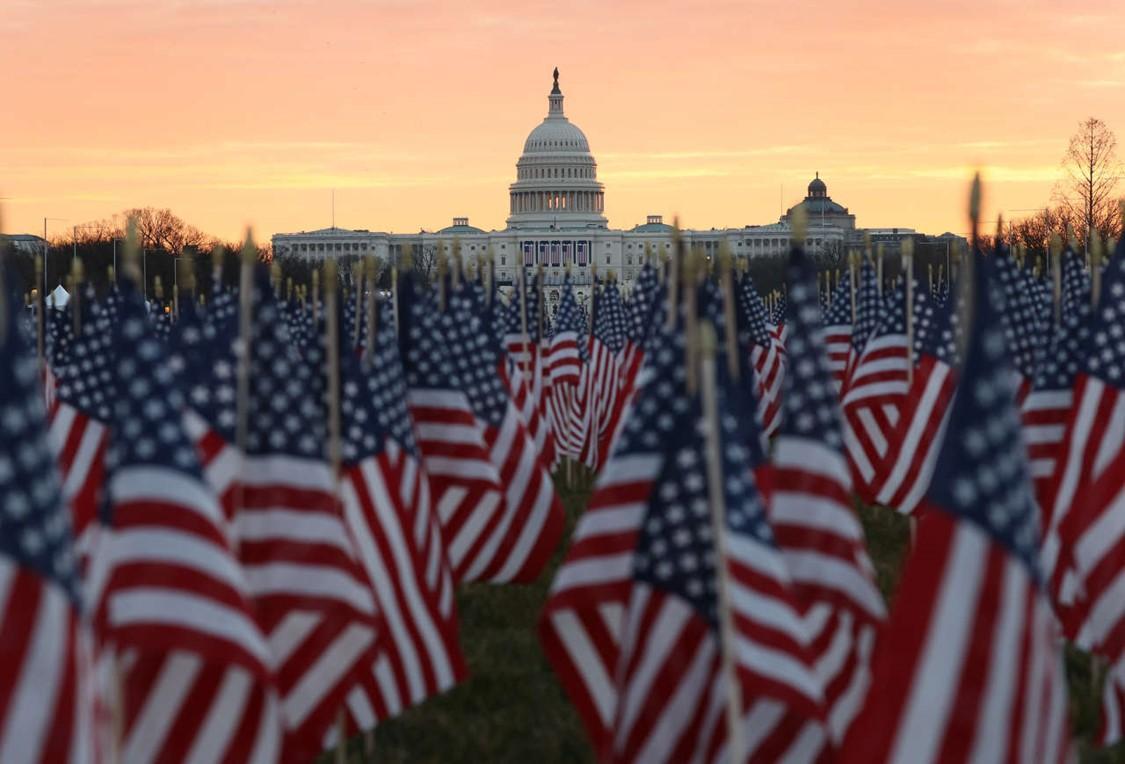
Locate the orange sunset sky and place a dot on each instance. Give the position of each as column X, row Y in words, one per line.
column 236, row 112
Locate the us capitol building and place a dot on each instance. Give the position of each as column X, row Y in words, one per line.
column 556, row 217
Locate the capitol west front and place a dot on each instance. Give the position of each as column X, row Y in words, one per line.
column 556, row 218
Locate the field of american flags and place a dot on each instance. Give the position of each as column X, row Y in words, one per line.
column 331, row 525
column 512, row 708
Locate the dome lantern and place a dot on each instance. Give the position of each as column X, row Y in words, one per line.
column 556, row 176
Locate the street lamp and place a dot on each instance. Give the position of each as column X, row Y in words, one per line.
column 46, row 250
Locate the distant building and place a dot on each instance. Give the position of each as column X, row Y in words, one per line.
column 556, row 218
column 25, row 242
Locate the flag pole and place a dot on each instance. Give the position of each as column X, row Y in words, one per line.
column 332, row 376
column 673, row 273
column 1055, row 248
column 1095, row 268
column 76, row 277
column 371, row 272
column 245, row 327
column 852, row 282
column 521, row 278
column 712, row 453
column 908, row 268
column 726, row 278
column 40, row 304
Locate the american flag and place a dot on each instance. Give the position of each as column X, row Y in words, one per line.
column 59, row 338
column 777, row 316
column 914, row 442
column 870, row 310
column 609, row 386
column 838, row 332
column 528, row 381
column 767, row 353
column 564, row 359
column 1084, row 548
column 875, row 391
column 969, row 667
column 530, row 524
column 1026, row 325
column 818, row 531
column 43, row 714
column 1047, row 406
column 79, row 419
column 386, row 503
column 631, row 623
column 310, row 593
column 167, row 596
column 465, row 483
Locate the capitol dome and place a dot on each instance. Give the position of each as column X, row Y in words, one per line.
column 556, row 176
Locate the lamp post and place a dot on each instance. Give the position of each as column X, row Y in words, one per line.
column 47, row 250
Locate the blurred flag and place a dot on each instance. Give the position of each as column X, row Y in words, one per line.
column 631, row 624
column 386, row 503
column 914, row 442
column 44, row 702
column 969, row 667
column 875, row 392
column 168, row 599
column 819, row 533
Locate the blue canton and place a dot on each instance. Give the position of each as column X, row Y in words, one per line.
column 982, row 473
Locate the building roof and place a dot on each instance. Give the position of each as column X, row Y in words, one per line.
column 450, row 230
column 653, row 228
column 556, row 133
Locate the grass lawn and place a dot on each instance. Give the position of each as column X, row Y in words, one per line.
column 511, row 709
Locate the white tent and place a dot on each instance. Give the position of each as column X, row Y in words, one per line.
column 58, row 298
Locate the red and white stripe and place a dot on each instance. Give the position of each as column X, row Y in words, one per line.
column 464, row 481
column 170, row 599
column 531, row 525
column 386, row 504
column 520, row 388
column 314, row 601
column 822, row 543
column 78, row 442
column 1045, row 414
column 872, row 406
column 969, row 665
column 176, row 706
column 838, row 340
column 602, row 384
column 44, row 710
column 582, row 625
column 769, row 374
column 902, row 480
column 1083, row 504
column 311, row 596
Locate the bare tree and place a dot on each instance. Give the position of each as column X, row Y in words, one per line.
column 1093, row 170
column 163, row 230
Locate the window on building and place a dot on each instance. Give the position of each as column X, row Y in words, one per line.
column 503, row 260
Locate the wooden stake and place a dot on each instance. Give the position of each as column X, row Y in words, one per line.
column 521, row 278
column 371, row 272
column 726, row 281
column 1095, row 268
column 40, row 316
column 908, row 268
column 245, row 329
column 1055, row 248
column 691, row 323
column 715, row 483
column 879, row 267
column 316, row 294
column 76, row 276
column 852, row 282
column 673, row 274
